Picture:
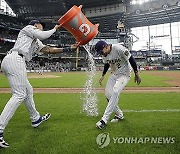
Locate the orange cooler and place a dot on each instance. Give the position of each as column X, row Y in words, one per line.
column 78, row 25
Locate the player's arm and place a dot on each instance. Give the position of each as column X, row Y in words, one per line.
column 37, row 33
column 137, row 78
column 128, row 56
column 106, row 67
column 54, row 50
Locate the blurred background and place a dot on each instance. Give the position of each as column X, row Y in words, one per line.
column 150, row 29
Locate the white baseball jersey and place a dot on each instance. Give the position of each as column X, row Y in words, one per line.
column 118, row 60
column 14, row 67
column 28, row 41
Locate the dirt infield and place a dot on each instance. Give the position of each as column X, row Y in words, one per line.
column 101, row 90
column 42, row 76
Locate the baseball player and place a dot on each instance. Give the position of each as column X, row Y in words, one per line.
column 14, row 67
column 41, row 66
column 120, row 60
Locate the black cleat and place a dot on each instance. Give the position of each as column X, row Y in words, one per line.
column 3, row 143
column 100, row 124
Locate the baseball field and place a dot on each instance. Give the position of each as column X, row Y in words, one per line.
column 151, row 110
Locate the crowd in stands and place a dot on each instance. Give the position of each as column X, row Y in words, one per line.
column 52, row 66
column 9, row 29
column 12, row 22
column 7, row 34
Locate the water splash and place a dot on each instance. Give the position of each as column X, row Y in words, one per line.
column 90, row 99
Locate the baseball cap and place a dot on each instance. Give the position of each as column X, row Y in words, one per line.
column 99, row 46
column 36, row 21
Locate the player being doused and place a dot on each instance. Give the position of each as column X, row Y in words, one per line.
column 120, row 60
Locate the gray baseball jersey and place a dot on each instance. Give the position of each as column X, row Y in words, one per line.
column 118, row 59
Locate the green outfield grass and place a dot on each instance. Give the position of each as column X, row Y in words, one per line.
column 71, row 131
column 78, row 79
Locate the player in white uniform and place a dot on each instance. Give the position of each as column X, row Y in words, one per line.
column 120, row 60
column 14, row 67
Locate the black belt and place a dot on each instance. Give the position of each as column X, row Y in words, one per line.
column 21, row 55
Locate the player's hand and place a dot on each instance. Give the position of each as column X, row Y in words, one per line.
column 100, row 80
column 57, row 27
column 74, row 46
column 80, row 6
column 137, row 78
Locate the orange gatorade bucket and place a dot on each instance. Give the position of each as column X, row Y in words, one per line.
column 78, row 25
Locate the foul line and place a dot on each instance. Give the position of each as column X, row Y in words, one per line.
column 168, row 110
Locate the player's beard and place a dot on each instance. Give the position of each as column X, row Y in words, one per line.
column 105, row 54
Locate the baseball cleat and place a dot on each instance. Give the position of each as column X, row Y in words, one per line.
column 100, row 124
column 41, row 119
column 3, row 143
column 117, row 118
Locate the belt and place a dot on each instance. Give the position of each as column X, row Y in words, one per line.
column 9, row 52
column 21, row 55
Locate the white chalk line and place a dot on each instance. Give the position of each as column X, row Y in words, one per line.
column 167, row 110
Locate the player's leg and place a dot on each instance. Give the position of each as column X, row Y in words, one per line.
column 113, row 102
column 118, row 115
column 118, row 112
column 11, row 106
column 108, row 92
column 30, row 105
column 119, row 86
column 109, row 87
column 14, row 68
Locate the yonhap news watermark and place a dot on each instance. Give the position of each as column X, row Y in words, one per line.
column 104, row 140
column 144, row 140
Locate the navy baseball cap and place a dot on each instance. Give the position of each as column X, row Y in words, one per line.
column 36, row 21
column 99, row 46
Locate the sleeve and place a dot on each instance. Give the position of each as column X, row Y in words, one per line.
column 133, row 64
column 106, row 67
column 40, row 45
column 124, row 51
column 37, row 33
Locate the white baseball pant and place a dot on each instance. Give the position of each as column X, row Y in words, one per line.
column 114, row 86
column 14, row 67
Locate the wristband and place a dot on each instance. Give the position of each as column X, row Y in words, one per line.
column 67, row 49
